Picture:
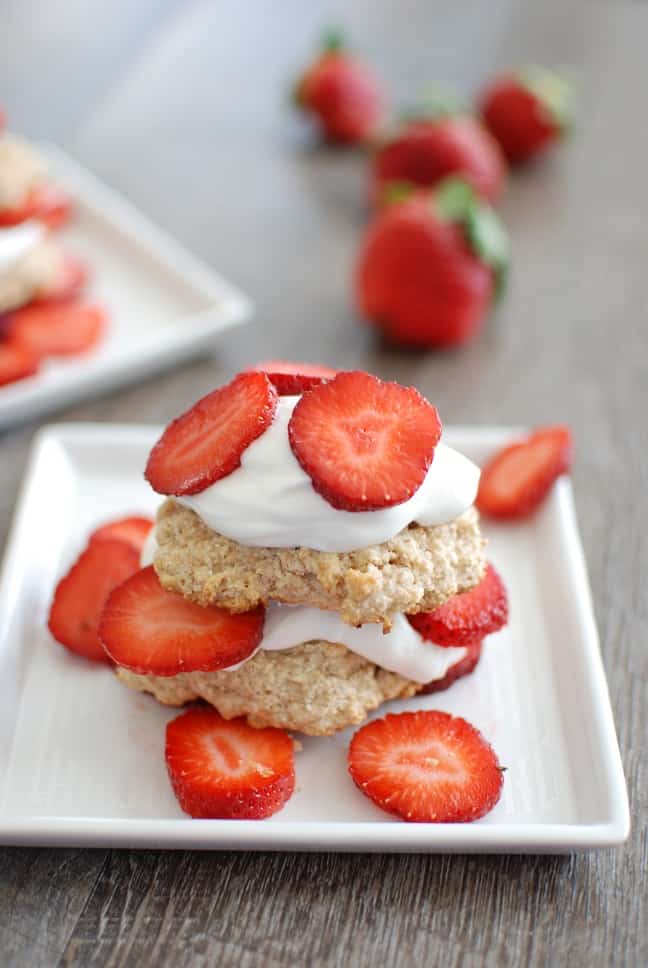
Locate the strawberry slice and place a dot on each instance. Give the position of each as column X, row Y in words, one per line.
column 80, row 596
column 206, row 443
column 461, row 668
column 426, row 766
column 134, row 531
column 468, row 616
column 57, row 329
column 47, row 203
column 364, row 444
column 151, row 631
column 291, row 379
column 72, row 278
column 517, row 479
column 225, row 769
column 16, row 363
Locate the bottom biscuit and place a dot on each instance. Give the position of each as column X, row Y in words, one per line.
column 316, row 688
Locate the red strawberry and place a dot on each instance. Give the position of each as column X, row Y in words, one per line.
column 206, row 443
column 47, row 203
column 16, row 363
column 73, row 277
column 57, row 329
column 225, row 769
column 461, row 668
column 518, row 478
column 527, row 111
column 428, row 767
column 342, row 93
column 424, row 151
column 291, row 379
column 468, row 616
column 80, row 596
column 431, row 266
column 151, row 631
column 134, row 531
column 364, row 444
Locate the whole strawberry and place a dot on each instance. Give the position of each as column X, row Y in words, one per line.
column 433, row 144
column 431, row 265
column 342, row 93
column 527, row 111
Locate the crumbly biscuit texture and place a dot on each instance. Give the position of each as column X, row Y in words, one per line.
column 417, row 570
column 21, row 169
column 29, row 276
column 315, row 688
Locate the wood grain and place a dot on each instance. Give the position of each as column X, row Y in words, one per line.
column 197, row 88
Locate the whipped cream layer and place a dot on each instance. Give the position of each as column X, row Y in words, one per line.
column 269, row 501
column 402, row 650
column 17, row 241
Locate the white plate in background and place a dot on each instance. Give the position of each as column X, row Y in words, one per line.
column 81, row 756
column 164, row 304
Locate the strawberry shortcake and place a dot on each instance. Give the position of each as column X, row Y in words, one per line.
column 317, row 554
column 25, row 189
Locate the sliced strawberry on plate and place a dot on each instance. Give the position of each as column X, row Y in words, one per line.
column 206, row 443
column 47, row 203
column 364, row 444
column 16, row 363
column 72, row 278
column 427, row 767
column 151, row 631
column 225, row 769
column 468, row 616
column 133, row 531
column 291, row 379
column 518, row 478
column 57, row 329
column 461, row 668
column 80, row 596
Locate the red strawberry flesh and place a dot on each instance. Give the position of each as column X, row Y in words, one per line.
column 206, row 443
column 426, row 766
column 16, row 363
column 133, row 531
column 292, row 379
column 461, row 668
column 80, row 596
column 365, row 444
column 519, row 477
column 468, row 616
column 225, row 769
column 151, row 631
column 57, row 328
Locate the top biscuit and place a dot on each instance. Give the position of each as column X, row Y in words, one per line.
column 415, row 571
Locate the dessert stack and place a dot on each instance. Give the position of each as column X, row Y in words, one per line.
column 317, row 553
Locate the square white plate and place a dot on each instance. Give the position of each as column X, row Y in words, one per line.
column 81, row 756
column 164, row 304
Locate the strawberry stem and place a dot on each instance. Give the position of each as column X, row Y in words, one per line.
column 332, row 40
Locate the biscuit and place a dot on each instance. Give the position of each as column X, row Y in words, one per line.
column 29, row 275
column 417, row 570
column 315, row 688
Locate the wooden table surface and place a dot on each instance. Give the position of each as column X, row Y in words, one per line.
column 182, row 107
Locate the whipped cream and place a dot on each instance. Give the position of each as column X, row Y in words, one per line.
column 20, row 170
column 269, row 501
column 402, row 650
column 17, row 241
